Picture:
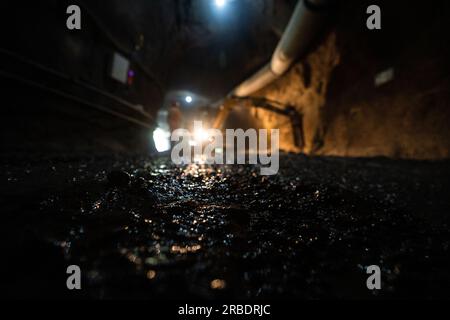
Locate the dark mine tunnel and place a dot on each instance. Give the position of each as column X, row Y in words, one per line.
column 225, row 150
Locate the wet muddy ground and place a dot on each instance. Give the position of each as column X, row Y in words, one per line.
column 143, row 228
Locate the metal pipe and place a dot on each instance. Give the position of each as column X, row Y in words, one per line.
column 259, row 80
column 66, row 77
column 301, row 31
column 73, row 98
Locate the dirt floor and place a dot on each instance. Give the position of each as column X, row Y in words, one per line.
column 143, row 228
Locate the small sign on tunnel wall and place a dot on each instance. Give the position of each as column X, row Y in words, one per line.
column 120, row 67
column 384, row 77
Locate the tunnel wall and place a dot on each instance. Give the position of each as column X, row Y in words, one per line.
column 40, row 121
column 87, row 54
column 345, row 112
column 168, row 37
column 38, row 126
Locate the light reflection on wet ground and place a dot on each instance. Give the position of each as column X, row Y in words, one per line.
column 145, row 228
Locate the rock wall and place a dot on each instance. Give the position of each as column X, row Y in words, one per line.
column 305, row 87
column 346, row 111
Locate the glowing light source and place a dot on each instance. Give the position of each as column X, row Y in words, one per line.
column 218, row 284
column 220, row 3
column 186, row 249
column 201, row 135
column 161, row 139
column 188, row 99
column 151, row 274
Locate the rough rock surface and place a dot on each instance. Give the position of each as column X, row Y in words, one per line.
column 345, row 112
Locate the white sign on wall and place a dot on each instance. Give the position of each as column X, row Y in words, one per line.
column 384, row 77
column 120, row 67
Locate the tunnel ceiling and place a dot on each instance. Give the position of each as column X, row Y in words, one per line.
column 195, row 45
